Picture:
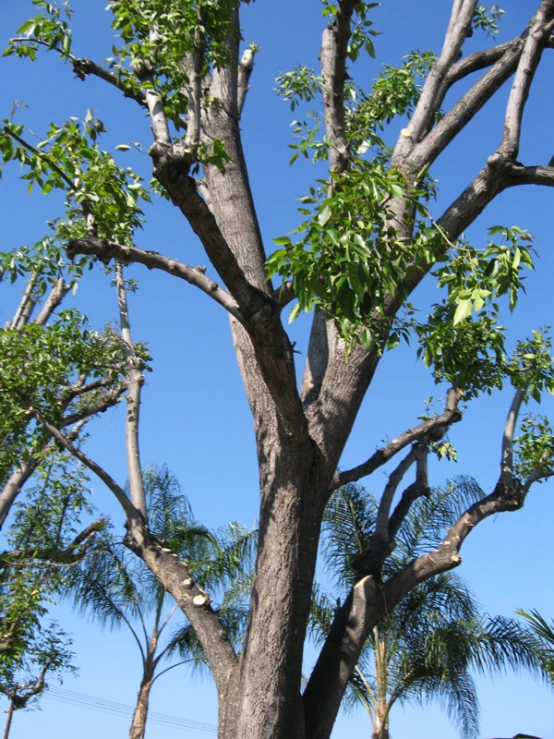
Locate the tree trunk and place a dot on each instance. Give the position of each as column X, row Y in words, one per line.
column 9, row 720
column 138, row 726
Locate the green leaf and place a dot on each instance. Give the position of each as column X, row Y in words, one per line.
column 462, row 311
column 324, row 215
column 295, row 312
column 282, row 241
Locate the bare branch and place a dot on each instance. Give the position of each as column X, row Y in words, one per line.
column 175, row 576
column 436, row 141
column 475, row 63
column 434, row 427
column 523, row 54
column 395, row 478
column 333, row 56
column 507, row 458
column 194, row 66
column 58, row 292
column 84, row 67
column 153, row 260
column 135, row 379
column 534, row 477
column 409, row 496
column 539, row 34
column 459, row 28
column 25, row 307
column 154, row 102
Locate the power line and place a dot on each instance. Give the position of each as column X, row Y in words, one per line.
column 70, row 697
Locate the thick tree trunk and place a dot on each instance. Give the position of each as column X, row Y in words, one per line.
column 264, row 700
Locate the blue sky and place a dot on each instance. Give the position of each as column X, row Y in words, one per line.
column 195, row 417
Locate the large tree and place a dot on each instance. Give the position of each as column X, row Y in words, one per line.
column 369, row 238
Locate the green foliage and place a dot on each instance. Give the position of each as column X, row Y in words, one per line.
column 300, row 84
column 70, row 159
column 339, row 265
column 488, row 19
column 49, row 517
column 47, row 29
column 53, row 356
column 534, row 448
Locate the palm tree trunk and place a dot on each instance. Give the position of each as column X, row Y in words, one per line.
column 138, row 726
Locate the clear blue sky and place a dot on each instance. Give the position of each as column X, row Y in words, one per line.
column 195, row 417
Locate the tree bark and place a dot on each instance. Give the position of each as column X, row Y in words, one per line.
column 138, row 725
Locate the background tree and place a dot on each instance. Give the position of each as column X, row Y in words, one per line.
column 115, row 588
column 428, row 645
column 369, row 239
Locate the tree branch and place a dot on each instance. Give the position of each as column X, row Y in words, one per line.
column 58, row 292
column 99, row 406
column 127, row 254
column 507, row 458
column 434, row 427
column 333, row 54
column 132, row 513
column 135, row 379
column 535, row 43
column 395, row 478
column 459, row 28
column 74, row 553
column 523, row 54
column 435, row 142
column 83, row 67
column 25, row 307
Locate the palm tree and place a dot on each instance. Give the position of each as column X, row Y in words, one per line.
column 544, row 632
column 115, row 588
column 427, row 646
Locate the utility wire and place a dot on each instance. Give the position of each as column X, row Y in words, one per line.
column 82, row 700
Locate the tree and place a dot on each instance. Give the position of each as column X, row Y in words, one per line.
column 427, row 646
column 544, row 631
column 115, row 588
column 23, row 682
column 369, row 238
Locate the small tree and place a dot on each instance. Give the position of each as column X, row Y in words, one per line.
column 43, row 654
column 428, row 645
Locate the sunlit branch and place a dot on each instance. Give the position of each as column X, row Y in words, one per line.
column 507, row 458
column 333, row 54
column 58, row 292
column 126, row 254
column 135, row 379
column 539, row 33
column 435, row 427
